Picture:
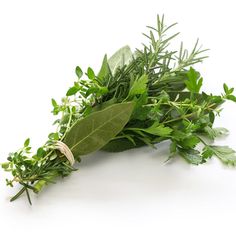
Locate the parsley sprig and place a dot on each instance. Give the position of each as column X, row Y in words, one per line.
column 136, row 99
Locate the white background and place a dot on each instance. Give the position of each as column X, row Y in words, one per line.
column 130, row 193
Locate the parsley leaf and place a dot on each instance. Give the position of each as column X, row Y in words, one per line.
column 226, row 154
column 158, row 129
column 215, row 132
column 191, row 155
column 194, row 82
column 138, row 86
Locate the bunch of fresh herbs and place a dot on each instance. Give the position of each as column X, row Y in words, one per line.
column 136, row 99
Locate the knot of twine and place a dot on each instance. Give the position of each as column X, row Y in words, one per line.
column 64, row 149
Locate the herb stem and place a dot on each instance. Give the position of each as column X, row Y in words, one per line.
column 18, row 194
column 187, row 115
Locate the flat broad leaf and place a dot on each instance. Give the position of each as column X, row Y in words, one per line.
column 139, row 86
column 173, row 149
column 122, row 144
column 97, row 129
column 159, row 130
column 226, row 154
column 140, row 112
column 122, row 57
column 104, row 71
column 207, row 152
column 40, row 152
column 189, row 142
column 215, row 132
column 191, row 155
column 194, row 82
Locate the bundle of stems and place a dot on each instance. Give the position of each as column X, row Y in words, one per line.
column 137, row 98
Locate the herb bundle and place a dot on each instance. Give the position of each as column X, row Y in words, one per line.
column 136, row 99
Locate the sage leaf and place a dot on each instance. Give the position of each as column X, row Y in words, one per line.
column 104, row 69
column 122, row 57
column 97, row 129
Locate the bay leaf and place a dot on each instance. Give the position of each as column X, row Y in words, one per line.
column 94, row 131
column 122, row 144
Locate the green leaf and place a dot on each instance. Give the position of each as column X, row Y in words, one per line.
column 211, row 117
column 189, row 142
column 72, row 91
column 104, row 105
column 97, row 129
column 159, row 130
column 92, row 90
column 54, row 103
column 122, row 57
column 173, row 148
column 78, row 72
column 5, row 165
column 104, row 71
column 226, row 89
column 207, row 152
column 53, row 136
column 139, row 86
column 26, row 143
column 164, row 96
column 225, row 154
column 215, row 132
column 178, row 135
column 40, row 152
column 231, row 90
column 191, row 155
column 141, row 112
column 97, row 90
column 231, row 97
column 122, row 144
column 90, row 73
column 194, row 82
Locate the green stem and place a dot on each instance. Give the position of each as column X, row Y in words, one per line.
column 68, row 126
column 42, row 183
column 187, row 115
column 18, row 194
